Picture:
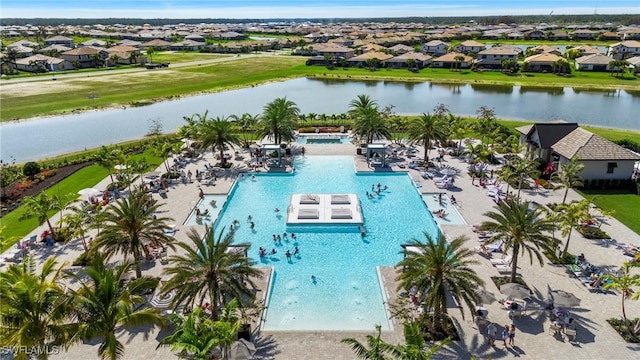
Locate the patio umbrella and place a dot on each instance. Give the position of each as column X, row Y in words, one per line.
column 564, row 298
column 120, row 167
column 513, row 290
column 161, row 301
column 484, row 296
column 242, row 350
column 448, row 171
column 89, row 192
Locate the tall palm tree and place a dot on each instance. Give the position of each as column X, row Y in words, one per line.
column 107, row 301
column 40, row 207
column 414, row 347
column 625, row 282
column 105, row 157
column 361, row 101
column 523, row 169
column 165, row 148
column 569, row 176
column 428, row 129
column 520, row 230
column 129, row 225
column 77, row 222
column 375, row 350
column 207, row 270
column 437, row 267
column 569, row 216
column 278, row 120
column 247, row 121
column 370, row 123
column 507, row 175
column 218, row 133
column 34, row 311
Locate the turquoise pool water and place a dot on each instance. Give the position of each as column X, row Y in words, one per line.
column 453, row 215
column 346, row 294
column 323, row 139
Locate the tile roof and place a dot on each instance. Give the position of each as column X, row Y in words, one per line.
column 597, row 59
column 588, row 146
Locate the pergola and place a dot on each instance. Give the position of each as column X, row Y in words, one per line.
column 266, row 149
column 377, row 150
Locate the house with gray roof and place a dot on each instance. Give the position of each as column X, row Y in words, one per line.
column 595, row 62
column 410, row 59
column 492, row 58
column 559, row 142
column 60, row 40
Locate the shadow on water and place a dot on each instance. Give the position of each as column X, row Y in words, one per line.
column 454, row 88
column 554, row 91
column 492, row 89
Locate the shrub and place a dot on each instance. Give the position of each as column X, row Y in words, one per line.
column 565, row 260
column 171, row 175
column 83, row 259
column 625, row 329
column 501, row 280
column 591, row 232
column 31, row 169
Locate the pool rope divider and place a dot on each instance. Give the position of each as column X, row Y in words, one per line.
column 385, row 298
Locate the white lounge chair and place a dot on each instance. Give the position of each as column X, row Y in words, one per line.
column 503, row 269
column 504, row 261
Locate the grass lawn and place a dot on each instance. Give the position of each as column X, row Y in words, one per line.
column 626, row 206
column 67, row 189
column 184, row 56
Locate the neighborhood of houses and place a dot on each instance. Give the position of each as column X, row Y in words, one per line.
column 373, row 45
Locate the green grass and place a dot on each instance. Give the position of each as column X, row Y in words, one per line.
column 186, row 56
column 625, row 206
column 67, row 190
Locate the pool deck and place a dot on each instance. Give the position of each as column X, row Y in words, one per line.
column 596, row 339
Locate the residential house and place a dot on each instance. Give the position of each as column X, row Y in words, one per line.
column 595, row 62
column 229, row 35
column 541, row 62
column 372, row 48
column 602, row 159
column 449, row 61
column 93, row 42
column 125, row 55
column 418, row 60
column 22, row 51
column 54, row 49
column 492, row 58
column 469, row 46
column 23, row 43
column 59, row 40
column 195, row 37
column 435, row 47
column 157, row 44
column 333, row 50
column 624, row 49
column 634, row 63
column 85, row 57
column 401, row 49
column 556, row 35
column 372, row 58
column 546, row 49
column 586, row 50
column 187, row 45
column 535, row 34
column 133, row 43
column 538, row 138
column 608, row 35
column 42, row 63
column 584, row 34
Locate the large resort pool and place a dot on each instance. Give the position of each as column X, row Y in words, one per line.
column 346, row 293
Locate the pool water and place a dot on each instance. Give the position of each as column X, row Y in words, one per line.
column 323, row 139
column 346, row 294
column 453, row 215
column 206, row 204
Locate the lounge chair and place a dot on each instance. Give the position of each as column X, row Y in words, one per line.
column 497, row 247
column 340, row 199
column 503, row 269
column 341, row 214
column 309, row 199
column 504, row 261
column 308, row 214
column 570, row 334
column 495, row 191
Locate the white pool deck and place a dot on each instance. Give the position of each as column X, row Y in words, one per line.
column 324, row 209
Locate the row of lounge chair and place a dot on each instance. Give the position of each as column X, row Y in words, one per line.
column 336, row 213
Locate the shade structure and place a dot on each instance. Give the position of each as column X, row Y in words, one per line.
column 513, row 290
column 162, row 301
column 564, row 298
column 242, row 350
column 89, row 192
column 484, row 296
column 448, row 171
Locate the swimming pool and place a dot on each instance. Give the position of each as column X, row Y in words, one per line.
column 323, row 139
column 213, row 203
column 453, row 215
column 346, row 294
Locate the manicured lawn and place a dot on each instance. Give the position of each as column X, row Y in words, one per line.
column 179, row 57
column 67, row 189
column 626, row 206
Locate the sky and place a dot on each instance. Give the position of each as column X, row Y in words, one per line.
column 264, row 9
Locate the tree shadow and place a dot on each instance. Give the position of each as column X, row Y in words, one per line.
column 266, row 346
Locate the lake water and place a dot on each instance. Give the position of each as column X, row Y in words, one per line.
column 52, row 136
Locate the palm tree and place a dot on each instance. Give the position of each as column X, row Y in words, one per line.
column 34, row 311
column 247, row 122
column 106, row 158
column 208, row 270
column 165, row 148
column 507, row 175
column 369, row 123
column 439, row 267
column 525, row 168
column 414, row 347
column 77, row 222
column 569, row 216
column 427, row 128
column 195, row 334
column 569, row 176
column 625, row 282
column 617, row 66
column 106, row 301
column 131, row 224
column 519, row 229
column 361, row 102
column 40, row 207
column 458, row 59
column 376, row 346
column 218, row 133
column 150, row 51
column 278, row 120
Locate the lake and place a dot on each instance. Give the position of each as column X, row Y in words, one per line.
column 51, row 136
